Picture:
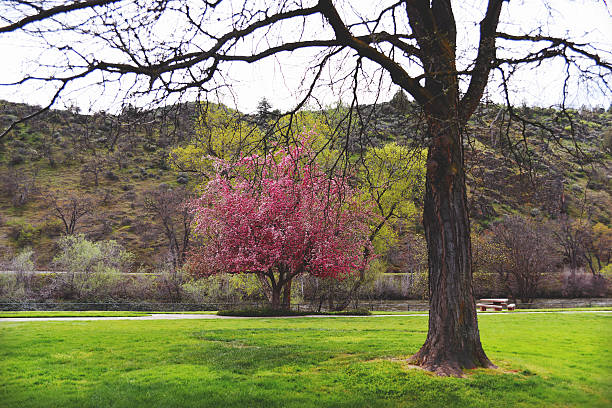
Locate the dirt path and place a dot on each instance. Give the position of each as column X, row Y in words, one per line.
column 161, row 316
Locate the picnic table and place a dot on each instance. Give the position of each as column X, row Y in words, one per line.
column 495, row 304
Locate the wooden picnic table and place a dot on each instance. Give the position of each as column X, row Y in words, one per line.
column 495, row 301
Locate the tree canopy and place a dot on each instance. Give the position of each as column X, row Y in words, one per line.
column 280, row 216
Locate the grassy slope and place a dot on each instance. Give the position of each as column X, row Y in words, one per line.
column 545, row 360
column 493, row 173
column 492, row 176
column 123, row 211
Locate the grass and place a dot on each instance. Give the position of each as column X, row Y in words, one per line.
column 546, row 360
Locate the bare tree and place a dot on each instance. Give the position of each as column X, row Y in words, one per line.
column 412, row 42
column 19, row 186
column 169, row 208
column 529, row 254
column 584, row 244
column 69, row 210
column 93, row 169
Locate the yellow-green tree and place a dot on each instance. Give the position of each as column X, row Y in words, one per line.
column 221, row 133
column 393, row 178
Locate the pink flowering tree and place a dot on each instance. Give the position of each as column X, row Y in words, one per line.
column 280, row 216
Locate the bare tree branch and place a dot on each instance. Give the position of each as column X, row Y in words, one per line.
column 44, row 14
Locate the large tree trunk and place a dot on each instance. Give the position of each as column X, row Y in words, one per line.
column 453, row 340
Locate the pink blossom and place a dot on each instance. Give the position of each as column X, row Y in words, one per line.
column 280, row 214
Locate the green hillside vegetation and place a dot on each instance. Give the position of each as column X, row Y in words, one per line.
column 107, row 165
column 107, row 162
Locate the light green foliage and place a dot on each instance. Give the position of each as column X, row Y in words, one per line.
column 545, row 360
column 10, row 288
column 601, row 248
column 23, row 261
column 307, row 121
column 222, row 288
column 77, row 254
column 606, row 272
column 220, row 134
column 15, row 286
column 393, row 177
column 91, row 267
column 247, row 284
column 23, row 233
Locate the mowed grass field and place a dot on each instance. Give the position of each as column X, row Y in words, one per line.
column 546, row 360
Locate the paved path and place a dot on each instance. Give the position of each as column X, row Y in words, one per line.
column 162, row 316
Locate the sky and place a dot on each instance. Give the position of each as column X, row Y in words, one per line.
column 279, row 79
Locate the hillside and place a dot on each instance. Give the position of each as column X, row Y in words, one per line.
column 108, row 162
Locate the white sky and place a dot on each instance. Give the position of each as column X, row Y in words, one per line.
column 278, row 79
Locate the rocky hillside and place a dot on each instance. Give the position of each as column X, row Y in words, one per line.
column 538, row 162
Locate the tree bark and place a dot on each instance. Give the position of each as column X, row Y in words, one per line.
column 287, row 295
column 453, row 339
column 276, row 297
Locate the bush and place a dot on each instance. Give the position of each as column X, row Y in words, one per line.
column 584, row 285
column 17, row 285
column 22, row 233
column 22, row 262
column 169, row 283
column 52, row 228
column 222, row 288
column 526, row 255
column 606, row 141
column 92, row 268
column 19, row 185
column 10, row 290
column 283, row 312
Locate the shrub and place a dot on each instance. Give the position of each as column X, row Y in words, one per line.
column 285, row 312
column 222, row 288
column 169, row 283
column 527, row 256
column 23, row 261
column 580, row 284
column 22, row 233
column 19, row 185
column 17, row 285
column 16, row 159
column 606, row 141
column 10, row 290
column 52, row 228
column 92, row 268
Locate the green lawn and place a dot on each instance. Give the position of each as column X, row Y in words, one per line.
column 558, row 360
